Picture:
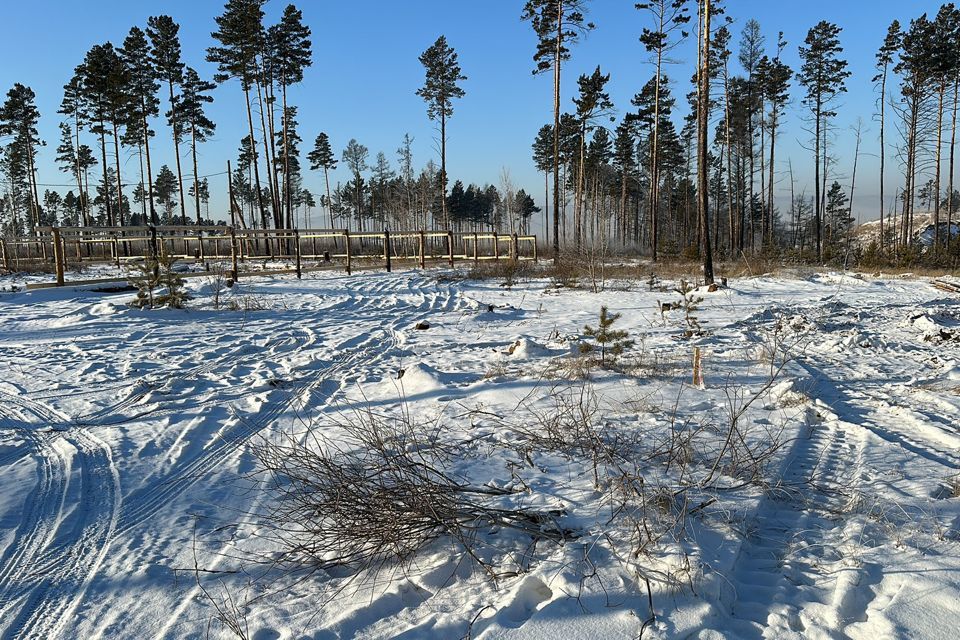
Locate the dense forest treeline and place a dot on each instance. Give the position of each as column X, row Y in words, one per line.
column 697, row 185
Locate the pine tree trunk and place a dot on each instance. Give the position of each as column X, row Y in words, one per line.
column 703, row 184
column 853, row 186
column 546, row 206
column 196, row 171
column 750, row 189
column 33, row 186
column 936, row 178
column 883, row 149
column 76, row 164
column 816, row 180
column 288, row 198
column 578, row 195
column 763, row 174
column 106, row 184
column 906, row 221
column 326, row 178
column 728, row 150
column 556, row 134
column 275, row 191
column 146, row 146
column 85, row 205
column 271, row 164
column 773, row 147
column 443, row 168
column 826, row 169
column 176, row 150
column 254, row 161
column 953, row 145
column 623, row 206
column 116, row 155
column 143, row 204
column 654, row 160
column 794, row 214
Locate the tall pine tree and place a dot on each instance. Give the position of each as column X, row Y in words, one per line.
column 439, row 90
column 239, row 34
column 290, row 54
column 193, row 120
column 144, row 104
column 321, row 157
column 823, row 75
column 557, row 24
column 165, row 54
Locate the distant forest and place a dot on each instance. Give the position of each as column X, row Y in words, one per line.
column 701, row 186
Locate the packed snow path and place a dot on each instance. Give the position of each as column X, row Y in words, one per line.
column 123, row 438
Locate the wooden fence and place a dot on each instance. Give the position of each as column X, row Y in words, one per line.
column 66, row 248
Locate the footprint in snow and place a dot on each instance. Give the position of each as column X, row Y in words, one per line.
column 533, row 592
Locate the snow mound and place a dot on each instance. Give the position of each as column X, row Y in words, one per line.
column 931, row 330
column 104, row 309
column 525, row 348
column 420, row 378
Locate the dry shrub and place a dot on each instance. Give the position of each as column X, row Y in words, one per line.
column 510, row 271
column 247, row 303
column 378, row 492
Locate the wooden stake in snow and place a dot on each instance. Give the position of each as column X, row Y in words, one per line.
column 57, row 255
column 386, row 249
column 346, row 244
column 697, row 369
column 422, row 249
column 296, row 238
column 234, row 249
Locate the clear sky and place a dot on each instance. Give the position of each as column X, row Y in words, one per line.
column 365, row 74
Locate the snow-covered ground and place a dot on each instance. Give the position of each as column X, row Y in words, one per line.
column 816, row 501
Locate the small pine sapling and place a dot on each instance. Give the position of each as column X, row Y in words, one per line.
column 690, row 305
column 608, row 341
column 158, row 284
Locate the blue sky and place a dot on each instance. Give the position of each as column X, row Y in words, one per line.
column 366, row 72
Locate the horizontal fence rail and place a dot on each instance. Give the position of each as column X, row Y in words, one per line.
column 69, row 248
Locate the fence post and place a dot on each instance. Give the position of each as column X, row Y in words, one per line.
column 116, row 250
column 515, row 248
column 203, row 256
column 386, row 249
column 296, row 239
column 346, row 242
column 535, row 258
column 6, row 258
column 476, row 249
column 58, row 255
column 496, row 246
column 450, row 247
column 233, row 253
column 154, row 251
column 423, row 247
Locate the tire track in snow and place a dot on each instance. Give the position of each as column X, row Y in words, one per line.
column 40, row 507
column 146, row 502
column 70, row 546
column 778, row 587
column 360, row 349
column 364, row 352
column 75, row 545
column 155, row 382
